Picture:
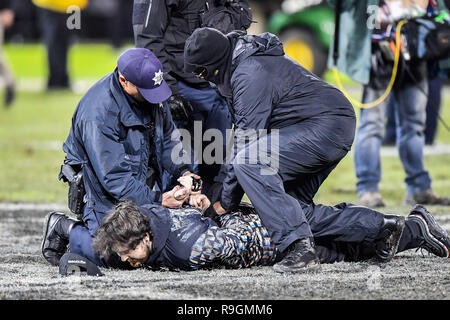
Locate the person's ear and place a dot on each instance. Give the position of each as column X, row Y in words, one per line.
column 123, row 80
column 147, row 238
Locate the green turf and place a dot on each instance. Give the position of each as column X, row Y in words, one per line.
column 84, row 60
column 31, row 135
column 33, row 130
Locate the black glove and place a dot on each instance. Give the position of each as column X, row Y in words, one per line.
column 213, row 194
column 179, row 107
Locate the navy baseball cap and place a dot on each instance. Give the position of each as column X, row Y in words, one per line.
column 74, row 264
column 143, row 69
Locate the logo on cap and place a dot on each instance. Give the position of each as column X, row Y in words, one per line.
column 74, row 264
column 159, row 77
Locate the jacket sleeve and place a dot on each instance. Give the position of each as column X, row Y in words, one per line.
column 252, row 106
column 172, row 147
column 150, row 30
column 232, row 191
column 112, row 166
column 252, row 96
column 443, row 5
column 240, row 243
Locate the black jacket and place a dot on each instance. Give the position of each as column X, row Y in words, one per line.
column 163, row 26
column 269, row 90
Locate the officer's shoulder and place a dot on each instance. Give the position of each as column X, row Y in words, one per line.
column 100, row 90
column 98, row 101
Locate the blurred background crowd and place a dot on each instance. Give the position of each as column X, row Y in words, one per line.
column 45, row 67
column 306, row 27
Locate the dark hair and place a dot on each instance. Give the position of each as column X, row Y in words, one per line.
column 125, row 225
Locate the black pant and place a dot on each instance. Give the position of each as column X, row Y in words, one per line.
column 299, row 162
column 56, row 38
column 329, row 250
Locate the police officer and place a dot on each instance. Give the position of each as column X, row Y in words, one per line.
column 122, row 136
column 315, row 125
column 163, row 27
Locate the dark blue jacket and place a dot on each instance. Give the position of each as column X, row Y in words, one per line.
column 110, row 137
column 269, row 90
column 174, row 234
column 184, row 239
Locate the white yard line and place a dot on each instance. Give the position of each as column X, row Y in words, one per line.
column 38, row 84
column 438, row 149
column 7, row 206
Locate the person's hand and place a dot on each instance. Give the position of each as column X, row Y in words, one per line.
column 186, row 182
column 199, row 201
column 180, row 108
column 181, row 193
column 175, row 197
column 194, row 188
column 190, row 174
column 219, row 209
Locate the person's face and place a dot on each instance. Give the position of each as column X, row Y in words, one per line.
column 131, row 89
column 137, row 256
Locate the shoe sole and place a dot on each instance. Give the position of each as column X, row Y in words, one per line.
column 307, row 269
column 435, row 243
column 396, row 235
column 45, row 230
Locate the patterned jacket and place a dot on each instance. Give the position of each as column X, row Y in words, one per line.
column 184, row 240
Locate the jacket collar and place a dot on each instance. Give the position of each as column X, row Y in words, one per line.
column 249, row 45
column 131, row 113
column 160, row 228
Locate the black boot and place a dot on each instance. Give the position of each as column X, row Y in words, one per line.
column 57, row 229
column 301, row 257
column 10, row 95
column 387, row 241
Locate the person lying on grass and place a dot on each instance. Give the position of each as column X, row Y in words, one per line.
column 183, row 239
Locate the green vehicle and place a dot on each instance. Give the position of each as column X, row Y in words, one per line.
column 306, row 33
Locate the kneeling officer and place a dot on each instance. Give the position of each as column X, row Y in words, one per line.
column 121, row 136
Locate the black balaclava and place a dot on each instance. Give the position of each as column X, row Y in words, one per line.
column 211, row 49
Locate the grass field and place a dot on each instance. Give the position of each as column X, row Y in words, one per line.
column 31, row 137
column 33, row 130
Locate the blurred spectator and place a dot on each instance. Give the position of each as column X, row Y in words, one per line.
column 268, row 6
column 53, row 19
column 435, row 82
column 362, row 58
column 110, row 20
column 6, row 21
column 391, row 124
column 433, row 108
